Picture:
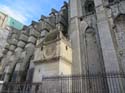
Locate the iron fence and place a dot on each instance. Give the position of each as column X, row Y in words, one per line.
column 20, row 87
column 94, row 83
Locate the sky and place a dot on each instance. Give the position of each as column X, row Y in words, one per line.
column 27, row 10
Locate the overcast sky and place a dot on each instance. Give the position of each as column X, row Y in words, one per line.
column 27, row 10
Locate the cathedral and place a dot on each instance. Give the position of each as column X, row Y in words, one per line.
column 38, row 50
column 84, row 37
column 97, row 35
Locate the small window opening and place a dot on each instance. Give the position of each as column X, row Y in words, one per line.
column 66, row 47
column 111, row 1
column 41, row 48
column 89, row 7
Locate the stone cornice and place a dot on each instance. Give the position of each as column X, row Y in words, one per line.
column 51, row 60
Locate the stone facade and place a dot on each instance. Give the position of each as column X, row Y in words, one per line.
column 97, row 35
column 8, row 26
column 40, row 49
column 53, row 58
column 95, row 29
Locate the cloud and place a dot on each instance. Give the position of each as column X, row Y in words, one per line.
column 13, row 13
column 27, row 10
column 22, row 10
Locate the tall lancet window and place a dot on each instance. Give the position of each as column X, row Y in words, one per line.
column 93, row 63
column 120, row 31
column 92, row 54
column 120, row 38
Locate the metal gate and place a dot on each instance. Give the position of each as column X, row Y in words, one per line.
column 94, row 83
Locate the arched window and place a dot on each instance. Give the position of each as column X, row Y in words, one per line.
column 92, row 54
column 119, row 32
column 89, row 7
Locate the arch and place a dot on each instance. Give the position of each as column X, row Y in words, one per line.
column 119, row 34
column 91, row 51
column 92, row 64
column 119, row 18
column 83, row 26
column 90, row 30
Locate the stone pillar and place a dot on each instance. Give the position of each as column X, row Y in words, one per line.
column 74, row 33
column 108, row 50
column 8, row 66
column 18, row 53
column 29, row 52
column 3, row 57
column 75, row 13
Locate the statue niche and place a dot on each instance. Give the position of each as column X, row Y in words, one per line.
column 120, row 38
column 120, row 30
column 93, row 62
column 92, row 55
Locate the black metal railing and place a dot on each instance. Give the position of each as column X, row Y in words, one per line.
column 19, row 87
column 94, row 83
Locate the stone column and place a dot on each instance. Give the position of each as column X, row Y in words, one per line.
column 29, row 52
column 74, row 32
column 9, row 65
column 18, row 53
column 108, row 50
column 10, row 57
column 3, row 59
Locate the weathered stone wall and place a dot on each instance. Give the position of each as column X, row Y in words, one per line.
column 105, row 49
column 45, row 69
column 3, row 39
column 55, row 59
